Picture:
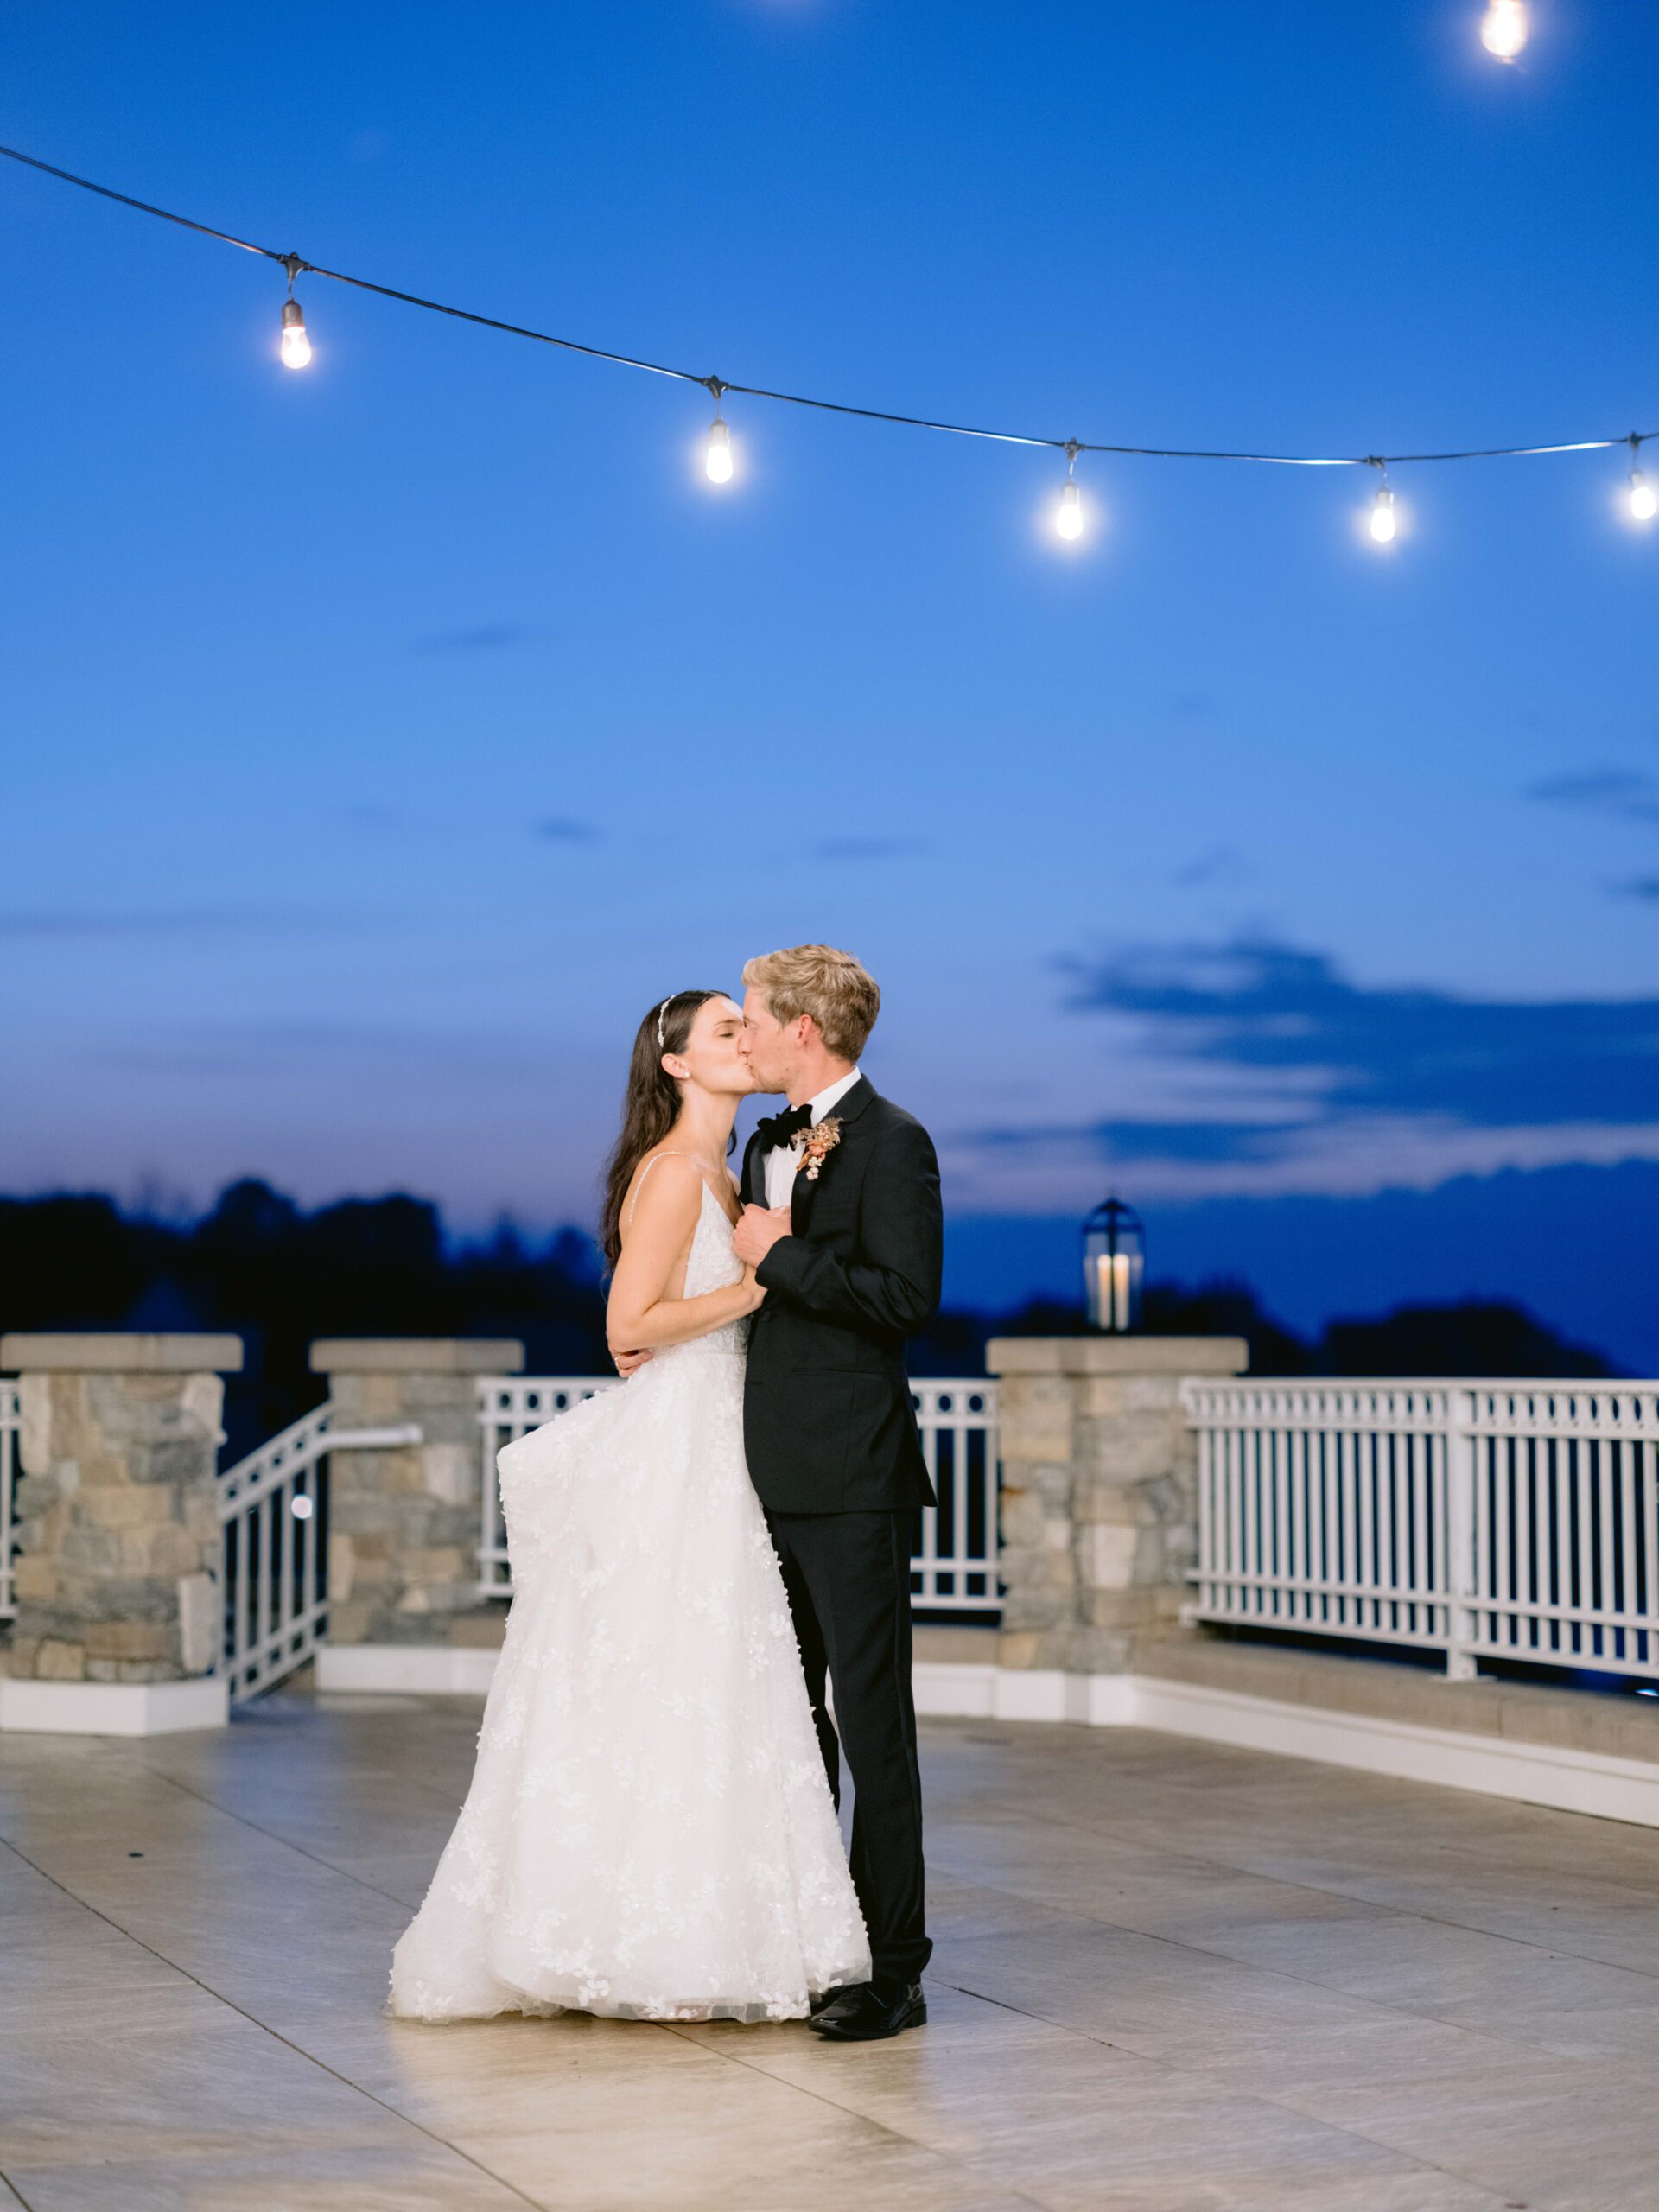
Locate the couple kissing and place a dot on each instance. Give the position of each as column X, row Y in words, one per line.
column 711, row 1564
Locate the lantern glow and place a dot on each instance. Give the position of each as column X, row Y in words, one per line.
column 1114, row 1264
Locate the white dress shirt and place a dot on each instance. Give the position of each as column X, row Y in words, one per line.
column 780, row 1161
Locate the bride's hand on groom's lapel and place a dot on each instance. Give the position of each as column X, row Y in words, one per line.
column 758, row 1231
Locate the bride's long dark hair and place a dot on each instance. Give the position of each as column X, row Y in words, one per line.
column 649, row 1105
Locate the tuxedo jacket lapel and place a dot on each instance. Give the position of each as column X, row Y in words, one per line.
column 846, row 1110
column 754, row 1173
column 800, row 1201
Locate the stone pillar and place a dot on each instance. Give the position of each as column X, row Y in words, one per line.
column 404, row 1611
column 1099, row 1491
column 118, row 1599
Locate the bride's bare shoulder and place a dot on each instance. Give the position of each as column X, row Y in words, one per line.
column 665, row 1184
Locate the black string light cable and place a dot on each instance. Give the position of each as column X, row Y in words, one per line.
column 296, row 353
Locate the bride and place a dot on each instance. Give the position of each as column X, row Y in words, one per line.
column 649, row 1833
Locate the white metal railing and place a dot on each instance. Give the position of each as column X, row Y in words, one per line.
column 10, row 1420
column 511, row 1406
column 955, row 1567
column 273, row 1509
column 1515, row 1521
column 954, row 1563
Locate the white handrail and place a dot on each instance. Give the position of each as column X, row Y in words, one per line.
column 272, row 1508
column 954, row 1568
column 1484, row 1518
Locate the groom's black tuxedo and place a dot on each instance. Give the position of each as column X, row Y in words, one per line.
column 827, row 1419
column 832, row 1449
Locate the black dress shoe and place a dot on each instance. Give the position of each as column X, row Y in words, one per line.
column 833, row 1995
column 872, row 2012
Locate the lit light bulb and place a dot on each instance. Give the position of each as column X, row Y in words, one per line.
column 1382, row 522
column 1644, row 500
column 296, row 346
column 719, row 458
column 299, row 1506
column 1504, row 28
column 1068, row 519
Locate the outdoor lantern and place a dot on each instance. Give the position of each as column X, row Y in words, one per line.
column 1113, row 1260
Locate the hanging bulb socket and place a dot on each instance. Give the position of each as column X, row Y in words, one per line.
column 1384, row 522
column 1068, row 517
column 717, row 461
column 296, row 346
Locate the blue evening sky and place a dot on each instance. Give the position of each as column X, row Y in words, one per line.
column 382, row 741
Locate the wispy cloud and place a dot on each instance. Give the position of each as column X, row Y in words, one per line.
column 865, row 849
column 1222, row 864
column 179, row 921
column 1343, row 1049
column 293, row 1053
column 486, row 637
column 1626, row 794
column 1047, row 1167
column 1168, row 1139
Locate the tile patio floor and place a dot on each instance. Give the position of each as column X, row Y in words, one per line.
column 1170, row 1977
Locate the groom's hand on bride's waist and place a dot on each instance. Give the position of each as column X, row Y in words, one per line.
column 758, row 1231
column 628, row 1362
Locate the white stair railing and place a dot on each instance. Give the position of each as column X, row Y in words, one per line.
column 1502, row 1520
column 954, row 1569
column 273, row 1509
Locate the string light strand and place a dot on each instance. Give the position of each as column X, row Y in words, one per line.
column 294, row 264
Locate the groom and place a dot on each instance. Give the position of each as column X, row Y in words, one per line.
column 842, row 1224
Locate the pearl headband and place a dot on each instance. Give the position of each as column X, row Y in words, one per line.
column 662, row 1010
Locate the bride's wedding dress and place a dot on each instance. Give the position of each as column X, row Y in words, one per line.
column 648, row 1833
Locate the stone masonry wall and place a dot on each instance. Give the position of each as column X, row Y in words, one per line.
column 118, row 1524
column 1099, row 1505
column 405, row 1523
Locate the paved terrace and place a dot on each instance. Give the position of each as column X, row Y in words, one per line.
column 1170, row 1977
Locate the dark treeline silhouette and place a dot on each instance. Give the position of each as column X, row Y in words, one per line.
column 278, row 1277
column 260, row 1266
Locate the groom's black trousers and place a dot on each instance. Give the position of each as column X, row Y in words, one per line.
column 847, row 1576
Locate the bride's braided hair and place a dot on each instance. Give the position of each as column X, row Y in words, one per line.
column 649, row 1105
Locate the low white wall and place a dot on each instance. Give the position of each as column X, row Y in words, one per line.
column 417, row 1669
column 1497, row 1766
column 113, row 1708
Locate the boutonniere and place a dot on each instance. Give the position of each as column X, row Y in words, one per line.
column 815, row 1145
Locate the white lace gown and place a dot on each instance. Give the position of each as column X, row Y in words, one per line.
column 648, row 1833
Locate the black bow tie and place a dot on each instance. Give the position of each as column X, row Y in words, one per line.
column 776, row 1130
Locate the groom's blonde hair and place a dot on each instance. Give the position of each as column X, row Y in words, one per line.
column 842, row 996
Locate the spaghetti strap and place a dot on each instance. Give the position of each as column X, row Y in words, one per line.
column 645, row 1171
